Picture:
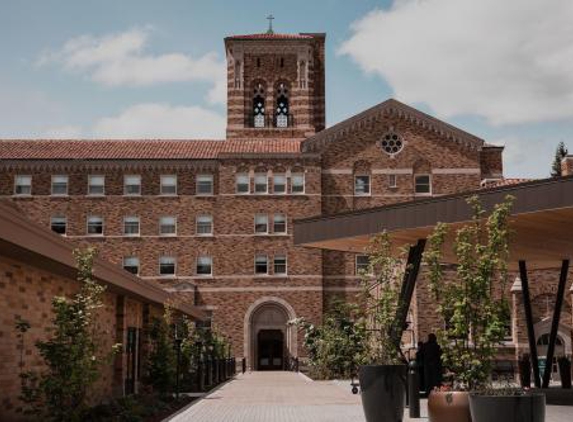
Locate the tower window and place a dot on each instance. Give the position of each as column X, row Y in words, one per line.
column 282, row 110
column 258, row 62
column 282, row 62
column 259, row 106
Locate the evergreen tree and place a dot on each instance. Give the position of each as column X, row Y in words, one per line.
column 560, row 153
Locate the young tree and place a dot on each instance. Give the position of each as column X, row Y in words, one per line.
column 72, row 355
column 560, row 153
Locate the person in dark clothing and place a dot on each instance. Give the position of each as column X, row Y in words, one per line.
column 420, row 364
column 432, row 363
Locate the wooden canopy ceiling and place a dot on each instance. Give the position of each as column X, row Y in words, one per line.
column 541, row 223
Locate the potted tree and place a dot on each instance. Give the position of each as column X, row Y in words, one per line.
column 476, row 314
column 474, row 311
column 382, row 375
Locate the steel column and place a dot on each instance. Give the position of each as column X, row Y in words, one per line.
column 555, row 322
column 529, row 323
column 410, row 276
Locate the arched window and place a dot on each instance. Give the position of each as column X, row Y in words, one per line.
column 259, row 105
column 238, row 74
column 302, row 74
column 282, row 110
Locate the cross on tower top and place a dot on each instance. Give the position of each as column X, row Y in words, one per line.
column 270, row 18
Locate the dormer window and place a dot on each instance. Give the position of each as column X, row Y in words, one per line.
column 259, row 106
column 282, row 110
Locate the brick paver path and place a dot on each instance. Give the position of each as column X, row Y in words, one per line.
column 291, row 397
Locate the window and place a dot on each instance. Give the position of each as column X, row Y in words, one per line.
column 261, row 264
column 58, row 224
column 297, row 183
column 131, row 264
column 361, row 185
column 96, row 185
column 279, row 224
column 423, row 184
column 282, row 106
column 259, row 104
column 132, row 185
column 242, row 183
column 279, row 183
column 167, row 265
column 392, row 143
column 168, row 185
column 261, row 183
column 131, row 226
column 205, row 184
column 204, row 265
column 59, row 185
column 23, row 185
column 168, row 226
column 95, row 225
column 362, row 264
column 261, row 224
column 392, row 181
column 280, row 265
column 204, row 225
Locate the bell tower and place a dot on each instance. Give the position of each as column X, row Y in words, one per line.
column 275, row 85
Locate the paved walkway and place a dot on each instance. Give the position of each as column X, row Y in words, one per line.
column 291, row 397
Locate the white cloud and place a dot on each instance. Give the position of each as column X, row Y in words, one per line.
column 509, row 61
column 121, row 60
column 152, row 120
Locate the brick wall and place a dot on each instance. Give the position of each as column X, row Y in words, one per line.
column 27, row 291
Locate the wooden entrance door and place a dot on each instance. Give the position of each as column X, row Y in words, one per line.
column 270, row 347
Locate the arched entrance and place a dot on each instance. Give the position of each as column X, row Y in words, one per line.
column 269, row 341
column 562, row 345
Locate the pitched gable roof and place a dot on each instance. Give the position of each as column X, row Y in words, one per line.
column 157, row 149
column 391, row 107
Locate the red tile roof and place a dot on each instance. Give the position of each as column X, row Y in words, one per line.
column 496, row 183
column 265, row 36
column 43, row 149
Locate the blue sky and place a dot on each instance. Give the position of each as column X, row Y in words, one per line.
column 151, row 68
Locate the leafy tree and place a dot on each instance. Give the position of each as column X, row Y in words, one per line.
column 162, row 360
column 475, row 315
column 560, row 153
column 72, row 355
column 335, row 348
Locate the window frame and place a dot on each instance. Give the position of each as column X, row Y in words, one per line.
column 266, row 178
column 52, row 182
column 292, row 185
column 357, row 265
column 392, row 181
column 90, row 176
column 17, row 177
column 285, row 232
column 174, row 273
column 284, row 177
column 123, row 264
column 162, row 185
column 266, row 217
column 125, row 185
column 369, row 185
column 260, row 274
column 197, row 225
column 161, row 225
column 237, row 184
column 135, row 219
column 198, row 182
column 285, row 273
column 429, row 176
column 65, row 220
column 197, row 273
column 102, row 220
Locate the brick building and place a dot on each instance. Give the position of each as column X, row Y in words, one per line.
column 212, row 219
